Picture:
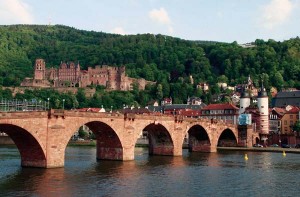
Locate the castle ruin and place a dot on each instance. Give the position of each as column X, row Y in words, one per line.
column 70, row 75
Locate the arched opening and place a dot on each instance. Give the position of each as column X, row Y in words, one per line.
column 160, row 141
column 227, row 139
column 32, row 154
column 198, row 139
column 257, row 140
column 107, row 142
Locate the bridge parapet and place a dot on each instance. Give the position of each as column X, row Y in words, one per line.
column 23, row 114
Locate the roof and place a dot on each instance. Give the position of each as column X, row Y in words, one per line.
column 190, row 113
column 294, row 110
column 136, row 110
column 89, row 109
column 220, row 106
column 286, row 98
column 176, row 107
column 183, row 106
column 279, row 110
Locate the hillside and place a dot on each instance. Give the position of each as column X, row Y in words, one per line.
column 168, row 60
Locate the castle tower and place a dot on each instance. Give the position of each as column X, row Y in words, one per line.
column 244, row 100
column 39, row 69
column 263, row 107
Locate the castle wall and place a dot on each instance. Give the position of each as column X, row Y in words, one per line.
column 70, row 75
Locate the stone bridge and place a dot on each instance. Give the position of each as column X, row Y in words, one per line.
column 42, row 136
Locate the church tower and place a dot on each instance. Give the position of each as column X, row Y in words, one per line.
column 39, row 69
column 263, row 107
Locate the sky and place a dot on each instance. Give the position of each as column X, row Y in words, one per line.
column 214, row 20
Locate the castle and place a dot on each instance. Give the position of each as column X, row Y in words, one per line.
column 70, row 75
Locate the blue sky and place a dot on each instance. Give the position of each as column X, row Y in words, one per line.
column 218, row 20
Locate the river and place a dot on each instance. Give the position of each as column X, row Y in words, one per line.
column 224, row 173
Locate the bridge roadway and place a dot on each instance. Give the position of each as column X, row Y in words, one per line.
column 42, row 136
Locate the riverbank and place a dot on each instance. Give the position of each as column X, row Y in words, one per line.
column 143, row 143
column 256, row 149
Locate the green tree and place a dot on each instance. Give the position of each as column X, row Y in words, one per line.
column 296, row 126
column 159, row 92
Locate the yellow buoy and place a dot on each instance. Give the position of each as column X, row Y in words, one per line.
column 246, row 157
column 283, row 153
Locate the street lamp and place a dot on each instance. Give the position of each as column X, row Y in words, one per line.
column 63, row 104
column 111, row 109
column 48, row 101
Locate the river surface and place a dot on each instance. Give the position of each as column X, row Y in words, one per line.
column 193, row 174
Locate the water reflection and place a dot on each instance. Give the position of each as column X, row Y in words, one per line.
column 194, row 174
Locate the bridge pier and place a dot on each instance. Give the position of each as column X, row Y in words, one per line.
column 206, row 148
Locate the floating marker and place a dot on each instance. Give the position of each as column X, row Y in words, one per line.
column 283, row 153
column 246, row 157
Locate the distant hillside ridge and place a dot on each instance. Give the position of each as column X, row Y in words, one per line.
column 173, row 63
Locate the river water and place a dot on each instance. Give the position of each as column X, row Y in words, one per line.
column 193, row 174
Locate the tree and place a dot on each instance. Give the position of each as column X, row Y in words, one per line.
column 82, row 133
column 277, row 80
column 159, row 92
column 296, row 127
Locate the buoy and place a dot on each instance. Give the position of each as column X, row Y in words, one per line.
column 283, row 153
column 246, row 157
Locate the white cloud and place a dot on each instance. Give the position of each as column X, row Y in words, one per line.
column 15, row 11
column 276, row 13
column 118, row 30
column 161, row 16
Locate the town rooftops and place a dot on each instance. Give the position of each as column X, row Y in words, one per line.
column 220, row 106
column 286, row 98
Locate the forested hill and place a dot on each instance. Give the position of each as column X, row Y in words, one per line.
column 168, row 60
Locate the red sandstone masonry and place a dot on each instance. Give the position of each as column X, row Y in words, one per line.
column 42, row 137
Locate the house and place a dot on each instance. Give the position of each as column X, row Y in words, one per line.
column 275, row 117
column 203, row 86
column 225, row 112
column 285, row 98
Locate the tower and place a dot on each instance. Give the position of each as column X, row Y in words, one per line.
column 39, row 69
column 244, row 100
column 263, row 107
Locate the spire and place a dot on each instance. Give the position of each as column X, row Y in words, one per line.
column 262, row 90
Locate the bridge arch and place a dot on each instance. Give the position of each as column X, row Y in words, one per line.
column 31, row 151
column 198, row 139
column 160, row 140
column 227, row 138
column 109, row 145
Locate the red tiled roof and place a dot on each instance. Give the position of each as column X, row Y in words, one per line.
column 89, row 109
column 293, row 110
column 220, row 106
column 190, row 113
column 279, row 110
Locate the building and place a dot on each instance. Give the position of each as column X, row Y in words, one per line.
column 285, row 98
column 288, row 120
column 191, row 109
column 203, row 86
column 70, row 75
column 223, row 112
column 275, row 117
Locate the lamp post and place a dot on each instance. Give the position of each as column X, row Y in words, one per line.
column 63, row 104
column 48, row 102
column 111, row 109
